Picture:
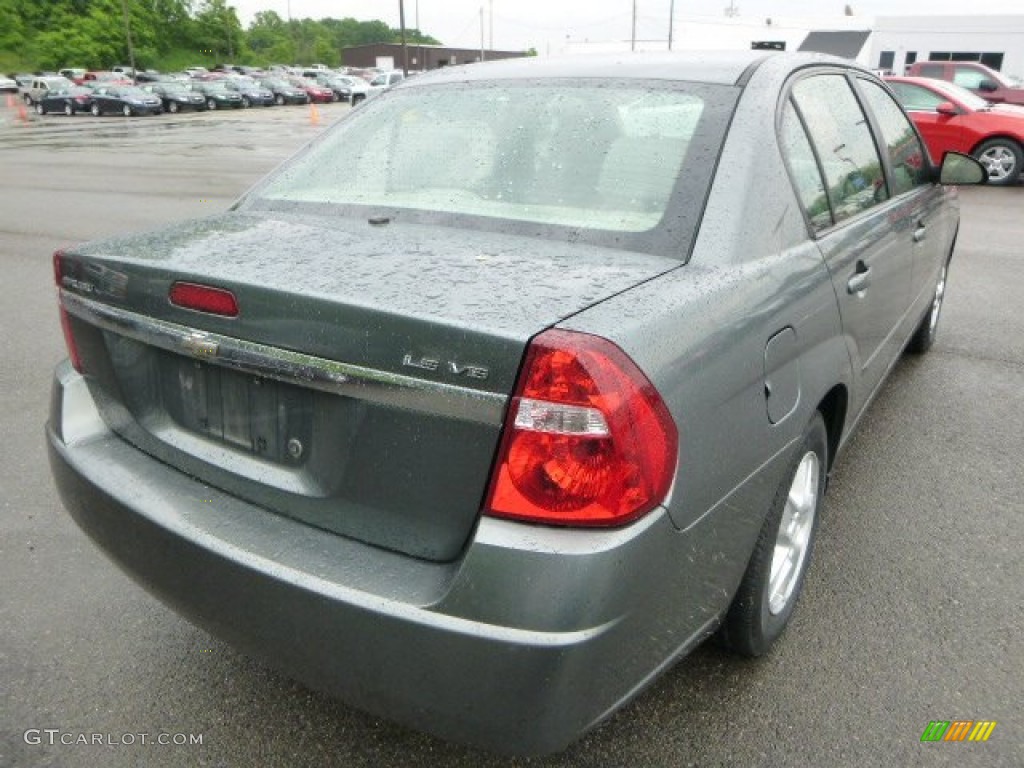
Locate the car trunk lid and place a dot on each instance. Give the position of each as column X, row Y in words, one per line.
column 361, row 386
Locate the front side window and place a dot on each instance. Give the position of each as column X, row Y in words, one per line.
column 906, row 155
column 842, row 137
column 915, row 98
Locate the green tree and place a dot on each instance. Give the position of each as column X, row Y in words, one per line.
column 217, row 30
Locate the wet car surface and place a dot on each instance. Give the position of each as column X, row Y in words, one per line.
column 723, row 711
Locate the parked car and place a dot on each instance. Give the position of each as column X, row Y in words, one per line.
column 105, row 78
column 70, row 101
column 74, row 74
column 149, row 76
column 127, row 100
column 284, row 92
column 351, row 89
column 250, row 91
column 41, row 86
column 177, row 96
column 985, row 82
column 511, row 389
column 217, row 93
column 320, row 94
column 24, row 83
column 384, row 80
column 952, row 119
column 8, row 85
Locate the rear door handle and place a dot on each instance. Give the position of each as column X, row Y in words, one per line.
column 920, row 232
column 860, row 279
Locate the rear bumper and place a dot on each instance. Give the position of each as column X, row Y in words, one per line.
column 527, row 640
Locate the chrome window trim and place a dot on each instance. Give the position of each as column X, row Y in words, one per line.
column 383, row 387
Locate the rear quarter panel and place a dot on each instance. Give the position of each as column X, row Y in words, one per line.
column 700, row 333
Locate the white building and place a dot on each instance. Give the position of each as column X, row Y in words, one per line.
column 883, row 42
column 996, row 41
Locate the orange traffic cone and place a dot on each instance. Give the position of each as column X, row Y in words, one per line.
column 22, row 114
column 10, row 101
column 314, row 114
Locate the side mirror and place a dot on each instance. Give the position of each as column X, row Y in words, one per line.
column 961, row 169
column 988, row 86
column 947, row 108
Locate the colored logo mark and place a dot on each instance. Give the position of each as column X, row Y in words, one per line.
column 958, row 730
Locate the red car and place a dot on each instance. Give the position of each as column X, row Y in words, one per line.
column 320, row 94
column 952, row 119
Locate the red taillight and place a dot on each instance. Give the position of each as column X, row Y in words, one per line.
column 587, row 440
column 65, row 320
column 204, row 298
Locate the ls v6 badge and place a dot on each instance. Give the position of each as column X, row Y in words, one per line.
column 457, row 369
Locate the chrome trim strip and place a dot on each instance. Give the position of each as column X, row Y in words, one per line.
column 390, row 389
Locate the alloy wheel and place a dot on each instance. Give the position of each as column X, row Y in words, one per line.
column 793, row 539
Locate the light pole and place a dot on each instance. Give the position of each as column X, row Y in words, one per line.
column 632, row 43
column 671, row 18
column 128, row 35
column 401, row 25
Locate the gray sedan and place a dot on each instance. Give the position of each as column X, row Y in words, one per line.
column 516, row 385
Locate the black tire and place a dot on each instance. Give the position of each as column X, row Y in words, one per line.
column 211, row 104
column 357, row 97
column 762, row 608
column 40, row 109
column 172, row 107
column 126, row 110
column 279, row 100
column 246, row 103
column 1004, row 160
column 924, row 336
column 69, row 109
column 95, row 109
column 28, row 100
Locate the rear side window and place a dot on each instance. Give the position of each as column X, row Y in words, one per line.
column 906, row 155
column 839, row 132
column 803, row 166
column 931, row 70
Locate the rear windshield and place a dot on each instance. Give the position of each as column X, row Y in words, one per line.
column 617, row 163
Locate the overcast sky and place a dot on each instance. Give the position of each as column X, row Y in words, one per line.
column 546, row 24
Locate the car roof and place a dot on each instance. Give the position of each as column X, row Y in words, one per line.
column 722, row 67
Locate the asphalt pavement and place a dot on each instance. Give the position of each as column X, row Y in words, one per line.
column 912, row 610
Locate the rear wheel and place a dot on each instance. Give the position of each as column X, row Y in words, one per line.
column 211, row 104
column 95, row 109
column 775, row 575
column 279, row 100
column 126, row 110
column 1003, row 159
column 246, row 102
column 40, row 109
column 69, row 110
column 172, row 107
